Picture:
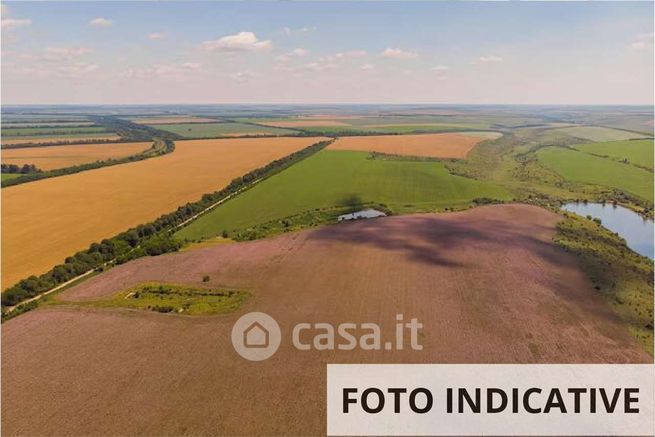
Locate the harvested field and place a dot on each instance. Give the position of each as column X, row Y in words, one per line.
column 59, row 138
column 45, row 221
column 488, row 285
column 303, row 123
column 433, row 145
column 52, row 157
column 172, row 120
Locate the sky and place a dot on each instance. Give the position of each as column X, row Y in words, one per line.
column 327, row 52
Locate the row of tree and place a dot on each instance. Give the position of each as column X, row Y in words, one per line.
column 147, row 239
column 20, row 169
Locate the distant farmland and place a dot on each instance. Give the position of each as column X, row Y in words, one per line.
column 58, row 138
column 47, row 220
column 430, row 145
column 343, row 178
column 583, row 167
column 210, row 130
column 171, row 120
column 639, row 152
column 52, row 157
column 596, row 133
column 50, row 130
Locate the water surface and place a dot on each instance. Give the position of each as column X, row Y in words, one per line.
column 637, row 231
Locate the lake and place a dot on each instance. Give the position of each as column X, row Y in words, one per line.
column 637, row 231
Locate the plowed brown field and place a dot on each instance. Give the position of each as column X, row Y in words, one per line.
column 45, row 221
column 488, row 285
column 51, row 157
column 448, row 145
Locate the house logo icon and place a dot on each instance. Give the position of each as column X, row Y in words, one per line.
column 256, row 336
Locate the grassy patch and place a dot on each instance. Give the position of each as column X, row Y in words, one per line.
column 333, row 179
column 597, row 133
column 582, row 167
column 637, row 152
column 211, row 130
column 167, row 298
column 622, row 276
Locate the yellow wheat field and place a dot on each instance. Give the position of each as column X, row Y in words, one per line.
column 447, row 145
column 52, row 157
column 45, row 221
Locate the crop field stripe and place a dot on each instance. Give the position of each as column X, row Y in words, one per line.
column 598, row 133
column 52, row 157
column 426, row 145
column 208, row 130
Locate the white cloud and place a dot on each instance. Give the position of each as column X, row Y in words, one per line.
column 642, row 41
column 101, row 22
column 65, row 53
column 166, row 71
column 242, row 76
column 367, row 67
column 300, row 52
column 322, row 64
column 77, row 69
column 399, row 53
column 490, row 58
column 289, row 31
column 156, row 35
column 440, row 68
column 239, row 42
column 295, row 53
column 13, row 23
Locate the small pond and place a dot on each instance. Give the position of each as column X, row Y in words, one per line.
column 363, row 214
column 637, row 231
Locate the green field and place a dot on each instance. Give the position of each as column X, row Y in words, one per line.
column 595, row 133
column 50, row 131
column 638, row 152
column 212, row 130
column 582, row 167
column 343, row 178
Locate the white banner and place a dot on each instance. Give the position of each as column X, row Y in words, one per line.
column 490, row 399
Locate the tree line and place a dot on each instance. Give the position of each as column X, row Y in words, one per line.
column 20, row 169
column 151, row 239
